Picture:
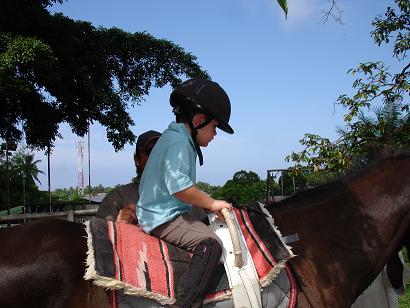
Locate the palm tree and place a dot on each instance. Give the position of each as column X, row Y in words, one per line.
column 386, row 130
column 27, row 168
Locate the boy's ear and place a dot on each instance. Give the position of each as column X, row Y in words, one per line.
column 198, row 119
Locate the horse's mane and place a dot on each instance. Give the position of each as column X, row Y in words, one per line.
column 313, row 195
column 381, row 157
column 331, row 189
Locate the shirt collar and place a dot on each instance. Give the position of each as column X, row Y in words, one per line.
column 181, row 128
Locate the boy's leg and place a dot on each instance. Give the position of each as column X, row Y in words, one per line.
column 205, row 259
column 199, row 213
column 185, row 232
column 191, row 234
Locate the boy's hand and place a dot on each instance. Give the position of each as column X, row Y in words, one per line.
column 217, row 206
column 197, row 197
column 127, row 215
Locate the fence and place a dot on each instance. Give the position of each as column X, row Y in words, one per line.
column 69, row 215
column 281, row 174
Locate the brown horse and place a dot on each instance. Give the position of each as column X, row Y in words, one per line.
column 347, row 231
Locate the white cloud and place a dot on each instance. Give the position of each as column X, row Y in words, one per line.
column 302, row 12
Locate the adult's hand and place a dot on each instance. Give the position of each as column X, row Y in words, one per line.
column 127, row 215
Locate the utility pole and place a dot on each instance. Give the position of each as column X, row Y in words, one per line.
column 8, row 147
column 89, row 165
column 80, row 152
column 49, row 176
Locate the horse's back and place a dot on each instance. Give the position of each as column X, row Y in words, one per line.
column 49, row 239
column 42, row 264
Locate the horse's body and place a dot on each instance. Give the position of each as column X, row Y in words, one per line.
column 42, row 264
column 347, row 232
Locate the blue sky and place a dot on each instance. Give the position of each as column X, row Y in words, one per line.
column 283, row 77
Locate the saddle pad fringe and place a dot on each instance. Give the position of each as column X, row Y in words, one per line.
column 122, row 256
column 127, row 263
column 264, row 241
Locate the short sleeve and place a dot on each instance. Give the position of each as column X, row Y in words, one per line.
column 177, row 168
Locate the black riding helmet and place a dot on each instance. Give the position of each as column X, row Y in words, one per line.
column 206, row 96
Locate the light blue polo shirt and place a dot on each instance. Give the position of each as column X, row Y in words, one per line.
column 171, row 168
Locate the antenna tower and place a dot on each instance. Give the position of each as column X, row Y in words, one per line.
column 79, row 145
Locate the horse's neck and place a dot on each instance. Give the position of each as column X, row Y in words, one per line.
column 388, row 179
column 347, row 237
column 383, row 194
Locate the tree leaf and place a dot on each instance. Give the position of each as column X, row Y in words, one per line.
column 284, row 5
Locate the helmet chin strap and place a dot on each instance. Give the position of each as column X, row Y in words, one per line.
column 194, row 133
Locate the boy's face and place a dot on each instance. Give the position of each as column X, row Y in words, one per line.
column 207, row 133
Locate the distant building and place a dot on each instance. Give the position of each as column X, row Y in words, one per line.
column 94, row 200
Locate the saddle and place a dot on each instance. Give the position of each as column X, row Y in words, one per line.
column 123, row 257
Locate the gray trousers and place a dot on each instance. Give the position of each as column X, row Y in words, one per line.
column 187, row 230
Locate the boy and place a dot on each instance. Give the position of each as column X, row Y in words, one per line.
column 167, row 189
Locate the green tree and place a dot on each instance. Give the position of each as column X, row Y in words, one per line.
column 292, row 181
column 27, row 170
column 23, row 172
column 208, row 188
column 3, row 183
column 245, row 177
column 320, row 177
column 378, row 89
column 97, row 189
column 245, row 186
column 71, row 194
column 66, row 195
column 76, row 73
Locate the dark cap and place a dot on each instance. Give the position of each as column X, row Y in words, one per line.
column 144, row 138
column 206, row 96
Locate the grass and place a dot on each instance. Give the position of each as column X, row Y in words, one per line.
column 404, row 300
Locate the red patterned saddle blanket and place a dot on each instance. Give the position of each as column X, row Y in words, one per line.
column 123, row 257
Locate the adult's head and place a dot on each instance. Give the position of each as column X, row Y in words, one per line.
column 201, row 96
column 143, row 148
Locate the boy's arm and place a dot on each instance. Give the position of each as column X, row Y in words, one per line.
column 197, row 197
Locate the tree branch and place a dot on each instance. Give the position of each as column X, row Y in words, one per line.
column 336, row 16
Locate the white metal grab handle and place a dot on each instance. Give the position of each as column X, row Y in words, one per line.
column 234, row 237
